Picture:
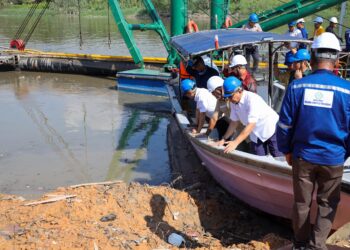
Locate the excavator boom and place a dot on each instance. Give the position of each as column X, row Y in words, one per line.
column 290, row 11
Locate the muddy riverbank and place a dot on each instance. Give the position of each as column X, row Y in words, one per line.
column 122, row 216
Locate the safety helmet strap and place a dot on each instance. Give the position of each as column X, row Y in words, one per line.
column 327, row 55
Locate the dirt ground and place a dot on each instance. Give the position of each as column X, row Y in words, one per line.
column 117, row 215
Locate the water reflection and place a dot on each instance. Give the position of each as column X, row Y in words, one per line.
column 60, row 33
column 124, row 160
column 59, row 130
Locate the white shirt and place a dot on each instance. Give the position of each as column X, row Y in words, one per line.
column 205, row 101
column 255, row 28
column 207, row 61
column 253, row 109
column 297, row 34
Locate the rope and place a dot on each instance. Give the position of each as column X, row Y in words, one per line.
column 26, row 39
column 109, row 29
column 80, row 35
column 26, row 20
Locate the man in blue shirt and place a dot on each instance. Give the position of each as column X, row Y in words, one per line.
column 305, row 34
column 313, row 133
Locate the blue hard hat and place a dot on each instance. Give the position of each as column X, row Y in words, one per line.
column 302, row 55
column 318, row 20
column 289, row 58
column 292, row 23
column 231, row 85
column 187, row 85
column 254, row 18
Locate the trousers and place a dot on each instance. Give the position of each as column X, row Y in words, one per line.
column 326, row 180
column 253, row 52
column 264, row 148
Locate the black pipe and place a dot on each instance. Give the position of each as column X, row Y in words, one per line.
column 78, row 66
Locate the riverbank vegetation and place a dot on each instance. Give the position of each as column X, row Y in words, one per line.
column 238, row 8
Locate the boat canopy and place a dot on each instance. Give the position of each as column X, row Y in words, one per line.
column 203, row 42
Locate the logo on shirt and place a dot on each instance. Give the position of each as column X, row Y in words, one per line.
column 318, row 98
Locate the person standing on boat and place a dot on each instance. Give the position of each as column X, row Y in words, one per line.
column 201, row 72
column 301, row 26
column 313, row 133
column 252, row 50
column 285, row 76
column 238, row 68
column 318, row 27
column 258, row 118
column 205, row 103
column 333, row 21
column 293, row 32
column 221, row 116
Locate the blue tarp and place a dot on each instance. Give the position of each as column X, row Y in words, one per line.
column 191, row 44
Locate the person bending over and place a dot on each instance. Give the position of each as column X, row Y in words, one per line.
column 258, row 118
column 205, row 103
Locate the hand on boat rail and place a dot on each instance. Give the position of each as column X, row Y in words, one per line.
column 231, row 146
column 195, row 134
column 191, row 129
column 194, row 131
column 219, row 143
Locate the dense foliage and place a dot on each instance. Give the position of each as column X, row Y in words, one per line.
column 238, row 8
column 162, row 5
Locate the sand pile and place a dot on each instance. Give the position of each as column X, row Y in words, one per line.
column 119, row 216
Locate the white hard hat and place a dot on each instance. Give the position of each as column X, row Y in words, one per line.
column 301, row 20
column 238, row 60
column 214, row 82
column 318, row 20
column 326, row 40
column 333, row 20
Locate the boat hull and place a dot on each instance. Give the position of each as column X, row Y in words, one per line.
column 269, row 191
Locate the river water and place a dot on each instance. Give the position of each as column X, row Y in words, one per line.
column 59, row 130
column 61, row 34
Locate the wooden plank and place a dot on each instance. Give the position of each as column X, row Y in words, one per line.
column 58, row 198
